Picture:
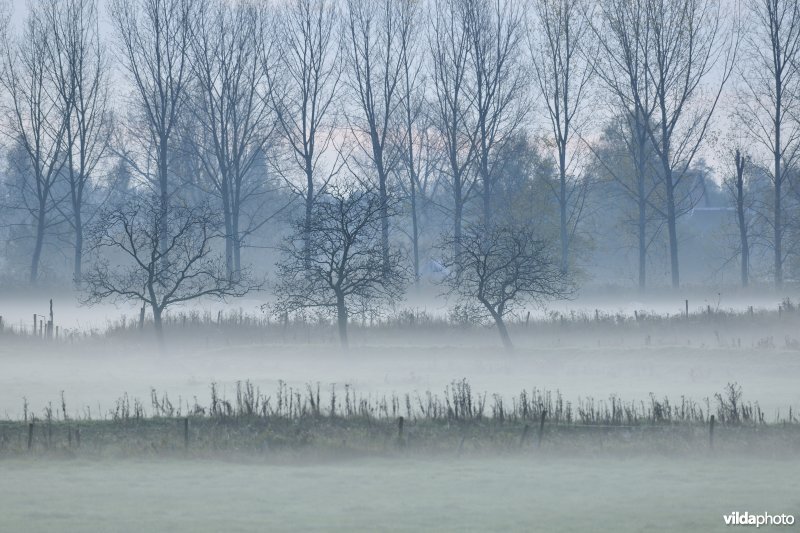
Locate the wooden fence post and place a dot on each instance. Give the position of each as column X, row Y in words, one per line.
column 400, row 422
column 541, row 428
column 711, row 432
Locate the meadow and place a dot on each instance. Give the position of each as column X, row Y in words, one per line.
column 599, row 420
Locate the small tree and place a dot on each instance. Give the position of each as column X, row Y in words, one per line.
column 344, row 264
column 500, row 270
column 155, row 273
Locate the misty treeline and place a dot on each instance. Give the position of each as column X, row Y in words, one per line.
column 347, row 151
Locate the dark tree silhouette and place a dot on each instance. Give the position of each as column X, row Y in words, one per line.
column 231, row 106
column 769, row 96
column 622, row 67
column 36, row 122
column 563, row 48
column 302, row 69
column 500, row 270
column 155, row 273
column 80, row 77
column 343, row 266
column 154, row 42
column 688, row 40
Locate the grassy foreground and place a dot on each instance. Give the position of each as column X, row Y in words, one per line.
column 455, row 423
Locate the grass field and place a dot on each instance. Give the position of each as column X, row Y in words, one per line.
column 475, row 494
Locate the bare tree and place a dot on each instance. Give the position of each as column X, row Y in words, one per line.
column 622, row 33
column 232, row 110
column 345, row 268
column 688, row 39
column 303, row 70
column 81, row 79
column 737, row 188
column 500, row 270
column 154, row 40
column 37, row 122
column 453, row 104
column 158, row 274
column 412, row 107
column 497, row 84
column 376, row 74
column 418, row 179
column 562, row 46
column 770, row 94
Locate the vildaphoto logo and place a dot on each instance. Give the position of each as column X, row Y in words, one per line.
column 764, row 519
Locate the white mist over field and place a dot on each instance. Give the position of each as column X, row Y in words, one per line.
column 581, row 358
column 581, row 355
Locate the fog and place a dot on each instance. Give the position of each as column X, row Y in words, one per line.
column 603, row 483
column 367, row 265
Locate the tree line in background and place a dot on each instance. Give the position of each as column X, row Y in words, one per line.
column 173, row 149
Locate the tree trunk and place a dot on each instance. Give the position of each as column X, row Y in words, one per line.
column 562, row 204
column 671, row 222
column 384, row 199
column 778, row 230
column 384, row 224
column 341, row 318
column 309, row 213
column 229, row 234
column 642, row 243
column 37, row 249
column 78, row 266
column 414, row 230
column 666, row 165
column 164, row 193
column 745, row 247
column 487, row 186
column 503, row 331
column 159, row 326
column 673, row 240
column 641, row 143
column 237, row 245
column 458, row 212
